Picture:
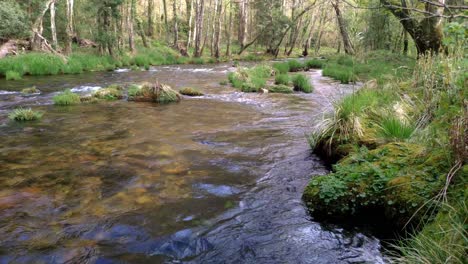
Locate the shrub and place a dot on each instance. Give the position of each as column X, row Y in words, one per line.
column 22, row 114
column 282, row 79
column 31, row 90
column 12, row 75
column 314, row 64
column 302, row 83
column 66, row 98
column 281, row 67
column 280, row 89
column 295, row 66
column 190, row 92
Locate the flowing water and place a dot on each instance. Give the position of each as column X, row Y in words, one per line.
column 215, row 179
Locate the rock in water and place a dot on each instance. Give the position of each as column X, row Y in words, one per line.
column 157, row 92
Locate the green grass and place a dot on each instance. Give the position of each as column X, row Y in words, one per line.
column 250, row 79
column 314, row 64
column 344, row 74
column 190, row 92
column 392, row 128
column 280, row 89
column 110, row 93
column 66, row 98
column 133, row 90
column 295, row 66
column 22, row 115
column 282, row 79
column 12, row 75
column 302, row 83
column 281, row 67
column 31, row 90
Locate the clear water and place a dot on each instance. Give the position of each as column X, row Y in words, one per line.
column 216, row 179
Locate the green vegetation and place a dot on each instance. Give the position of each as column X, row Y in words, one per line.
column 31, row 90
column 250, row 79
column 314, row 64
column 280, row 89
column 392, row 128
column 302, row 83
column 282, row 79
column 190, row 92
column 344, row 74
column 12, row 75
column 110, row 93
column 281, row 67
column 22, row 115
column 66, row 98
column 295, row 66
column 157, row 93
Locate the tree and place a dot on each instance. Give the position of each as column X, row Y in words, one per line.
column 69, row 27
column 14, row 22
column 348, row 46
column 199, row 27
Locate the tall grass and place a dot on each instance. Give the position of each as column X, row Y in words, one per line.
column 12, row 75
column 66, row 98
column 392, row 128
column 22, row 115
column 281, row 67
column 344, row 74
column 302, row 83
column 295, row 66
column 314, row 64
column 282, row 79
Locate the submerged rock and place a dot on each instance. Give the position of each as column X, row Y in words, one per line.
column 30, row 90
column 391, row 183
column 191, row 92
column 157, row 93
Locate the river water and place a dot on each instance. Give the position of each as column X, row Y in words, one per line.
column 215, row 179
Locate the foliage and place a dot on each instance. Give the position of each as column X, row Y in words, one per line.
column 393, row 128
column 250, row 79
column 302, row 83
column 314, row 64
column 280, row 89
column 110, row 93
column 339, row 72
column 66, row 98
column 282, row 79
column 22, row 114
column 12, row 75
column 13, row 20
column 281, row 67
column 190, row 92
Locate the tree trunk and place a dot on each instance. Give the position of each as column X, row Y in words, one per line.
column 37, row 28
column 69, row 27
column 166, row 24
column 427, row 33
column 53, row 29
column 199, row 28
column 218, row 29
column 141, row 32
column 131, row 17
column 150, row 18
column 242, row 23
column 189, row 38
column 348, row 46
column 176, row 27
column 228, row 33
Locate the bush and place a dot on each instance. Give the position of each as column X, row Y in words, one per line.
column 302, row 83
column 31, row 90
column 21, row 115
column 190, row 92
column 280, row 89
column 12, row 75
column 14, row 23
column 314, row 64
column 282, row 79
column 295, row 66
column 66, row 98
column 281, row 67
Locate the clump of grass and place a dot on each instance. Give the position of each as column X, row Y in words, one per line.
column 295, row 66
column 133, row 90
column 250, row 80
column 392, row 128
column 281, row 67
column 346, row 60
column 22, row 115
column 13, row 76
column 282, row 79
column 302, row 83
column 30, row 90
column 341, row 73
column 110, row 93
column 223, row 82
column 190, row 92
column 197, row 61
column 280, row 89
column 66, row 98
column 314, row 64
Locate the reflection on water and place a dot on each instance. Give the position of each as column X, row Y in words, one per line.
column 211, row 180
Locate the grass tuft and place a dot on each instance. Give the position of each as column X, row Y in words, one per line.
column 295, row 66
column 66, row 98
column 302, row 83
column 31, row 90
column 281, row 67
column 282, row 79
column 190, row 92
column 280, row 89
column 22, row 115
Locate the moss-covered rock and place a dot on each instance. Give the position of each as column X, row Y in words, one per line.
column 30, row 90
column 394, row 181
column 112, row 92
column 190, row 92
column 157, row 93
column 280, row 89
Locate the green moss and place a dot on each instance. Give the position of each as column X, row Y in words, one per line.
column 110, row 93
column 280, row 89
column 148, row 92
column 190, row 92
column 394, row 180
column 30, row 90
column 66, row 98
column 302, row 83
column 22, row 115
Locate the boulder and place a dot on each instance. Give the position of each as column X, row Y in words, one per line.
column 155, row 92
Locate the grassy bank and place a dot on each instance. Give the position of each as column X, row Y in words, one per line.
column 399, row 145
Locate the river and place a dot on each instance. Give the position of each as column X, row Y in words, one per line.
column 214, row 179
